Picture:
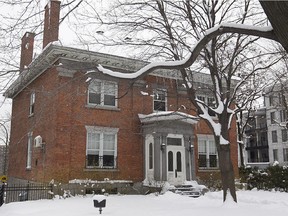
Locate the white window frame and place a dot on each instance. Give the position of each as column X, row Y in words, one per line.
column 283, row 115
column 284, row 133
column 101, row 131
column 102, row 93
column 156, row 99
column 208, row 142
column 275, row 155
column 29, row 150
column 274, row 136
column 273, row 117
column 32, row 103
column 208, row 101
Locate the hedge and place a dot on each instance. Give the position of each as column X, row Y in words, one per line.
column 273, row 177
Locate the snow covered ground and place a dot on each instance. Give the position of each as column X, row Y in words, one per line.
column 249, row 203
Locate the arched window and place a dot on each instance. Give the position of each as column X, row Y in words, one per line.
column 150, row 149
column 170, row 161
column 179, row 162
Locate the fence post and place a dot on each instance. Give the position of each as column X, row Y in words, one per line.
column 27, row 191
column 2, row 194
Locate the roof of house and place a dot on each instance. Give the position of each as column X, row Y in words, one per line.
column 74, row 59
column 53, row 52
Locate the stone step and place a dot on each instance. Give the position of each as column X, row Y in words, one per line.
column 186, row 190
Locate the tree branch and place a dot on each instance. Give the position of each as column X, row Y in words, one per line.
column 265, row 32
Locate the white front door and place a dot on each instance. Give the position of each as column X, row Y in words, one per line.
column 175, row 160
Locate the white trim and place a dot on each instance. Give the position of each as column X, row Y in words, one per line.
column 101, row 129
column 168, row 116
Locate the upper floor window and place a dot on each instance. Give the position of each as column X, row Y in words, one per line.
column 32, row 103
column 103, row 93
column 284, row 135
column 283, row 115
column 209, row 104
column 271, row 100
column 159, row 100
column 274, row 136
column 273, row 117
column 101, row 147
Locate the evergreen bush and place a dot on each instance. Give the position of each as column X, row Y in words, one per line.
column 273, row 177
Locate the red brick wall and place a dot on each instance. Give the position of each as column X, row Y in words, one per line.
column 61, row 116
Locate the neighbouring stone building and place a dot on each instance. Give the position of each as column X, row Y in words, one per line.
column 3, row 159
column 256, row 138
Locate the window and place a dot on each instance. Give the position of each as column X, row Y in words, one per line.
column 274, row 137
column 209, row 102
column 275, row 154
column 179, row 161
column 207, row 154
column 271, row 100
column 283, row 115
column 150, row 156
column 170, row 161
column 29, row 151
column 102, row 93
column 284, row 135
column 272, row 117
column 32, row 103
column 101, row 150
column 159, row 100
column 174, row 141
column 285, row 154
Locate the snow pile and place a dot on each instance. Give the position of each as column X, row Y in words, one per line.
column 254, row 202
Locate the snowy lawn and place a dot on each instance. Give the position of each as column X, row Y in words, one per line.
column 249, row 203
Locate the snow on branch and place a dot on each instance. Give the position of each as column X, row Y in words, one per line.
column 265, row 32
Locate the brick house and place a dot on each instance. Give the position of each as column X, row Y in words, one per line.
column 67, row 125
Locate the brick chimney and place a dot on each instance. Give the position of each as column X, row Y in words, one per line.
column 26, row 50
column 51, row 22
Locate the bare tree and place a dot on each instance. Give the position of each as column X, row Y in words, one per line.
column 4, row 137
column 169, row 29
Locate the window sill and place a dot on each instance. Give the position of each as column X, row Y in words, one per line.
column 28, row 168
column 91, row 106
column 203, row 169
column 30, row 115
column 101, row 170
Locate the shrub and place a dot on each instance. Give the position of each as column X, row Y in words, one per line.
column 273, row 177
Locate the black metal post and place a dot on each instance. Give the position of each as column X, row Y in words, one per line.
column 2, row 194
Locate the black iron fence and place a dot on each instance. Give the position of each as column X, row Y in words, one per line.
column 23, row 192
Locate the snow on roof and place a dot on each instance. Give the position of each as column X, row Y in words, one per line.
column 168, row 116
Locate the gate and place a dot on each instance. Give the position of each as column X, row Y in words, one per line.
column 20, row 192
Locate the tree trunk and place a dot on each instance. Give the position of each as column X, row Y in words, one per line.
column 227, row 172
column 276, row 12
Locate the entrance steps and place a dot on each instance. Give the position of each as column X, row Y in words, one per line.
column 186, row 190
